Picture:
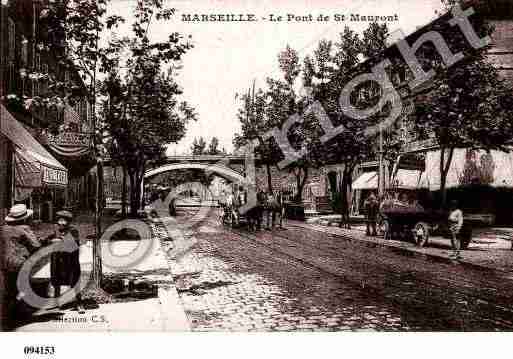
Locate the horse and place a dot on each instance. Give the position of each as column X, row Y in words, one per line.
column 254, row 214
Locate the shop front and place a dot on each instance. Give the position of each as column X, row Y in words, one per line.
column 73, row 147
column 39, row 179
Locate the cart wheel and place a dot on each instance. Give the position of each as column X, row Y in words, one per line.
column 421, row 234
column 386, row 229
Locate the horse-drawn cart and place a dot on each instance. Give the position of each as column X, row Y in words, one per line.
column 418, row 224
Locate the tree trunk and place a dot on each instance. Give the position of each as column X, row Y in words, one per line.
column 124, row 193
column 445, row 165
column 97, row 255
column 346, row 181
column 300, row 182
column 345, row 187
column 136, row 177
column 269, row 178
column 134, row 205
column 332, row 181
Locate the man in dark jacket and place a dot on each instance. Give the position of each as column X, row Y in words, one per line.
column 65, row 267
column 18, row 244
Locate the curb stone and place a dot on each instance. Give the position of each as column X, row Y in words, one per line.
column 405, row 251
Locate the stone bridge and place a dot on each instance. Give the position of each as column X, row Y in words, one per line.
column 231, row 167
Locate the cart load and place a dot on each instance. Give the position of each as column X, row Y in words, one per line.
column 412, row 222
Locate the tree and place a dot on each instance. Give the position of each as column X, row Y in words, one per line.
column 141, row 111
column 198, row 146
column 71, row 32
column 326, row 73
column 213, row 146
column 467, row 105
column 255, row 121
column 286, row 102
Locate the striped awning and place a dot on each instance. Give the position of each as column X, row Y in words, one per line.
column 367, row 180
column 407, row 179
column 72, row 142
column 34, row 165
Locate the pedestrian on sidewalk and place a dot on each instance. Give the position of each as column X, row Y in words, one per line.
column 371, row 206
column 455, row 224
column 18, row 243
column 272, row 208
column 232, row 205
column 65, row 267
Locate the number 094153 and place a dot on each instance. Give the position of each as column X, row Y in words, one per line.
column 39, row 350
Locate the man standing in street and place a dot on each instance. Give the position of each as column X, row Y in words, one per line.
column 455, row 224
column 371, row 206
column 19, row 243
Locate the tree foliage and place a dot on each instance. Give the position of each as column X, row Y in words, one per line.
column 68, row 32
column 331, row 67
column 198, row 146
column 255, row 122
column 324, row 74
column 142, row 111
column 213, row 147
column 468, row 105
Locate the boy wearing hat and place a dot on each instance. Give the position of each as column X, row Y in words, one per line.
column 65, row 267
column 455, row 224
column 18, row 243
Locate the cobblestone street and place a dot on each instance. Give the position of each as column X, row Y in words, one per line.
column 303, row 280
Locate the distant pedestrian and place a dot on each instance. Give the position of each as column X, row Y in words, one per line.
column 19, row 243
column 65, row 267
column 371, row 206
column 455, row 224
column 232, row 206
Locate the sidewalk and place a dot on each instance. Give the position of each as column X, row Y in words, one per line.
column 162, row 313
column 489, row 249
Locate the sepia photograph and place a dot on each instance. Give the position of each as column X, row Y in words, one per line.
column 255, row 166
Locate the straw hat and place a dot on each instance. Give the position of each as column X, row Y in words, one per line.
column 18, row 212
column 65, row 214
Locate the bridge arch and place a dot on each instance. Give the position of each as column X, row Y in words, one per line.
column 220, row 170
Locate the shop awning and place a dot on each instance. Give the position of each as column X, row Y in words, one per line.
column 71, row 142
column 407, row 179
column 34, row 165
column 367, row 180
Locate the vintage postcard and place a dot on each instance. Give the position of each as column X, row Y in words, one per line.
column 255, row 166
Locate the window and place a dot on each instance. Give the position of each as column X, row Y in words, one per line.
column 90, row 114
column 37, row 64
column 35, row 88
column 83, row 111
column 43, row 87
column 24, row 50
column 12, row 39
column 12, row 77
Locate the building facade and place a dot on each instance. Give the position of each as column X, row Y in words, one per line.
column 46, row 122
column 491, row 168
